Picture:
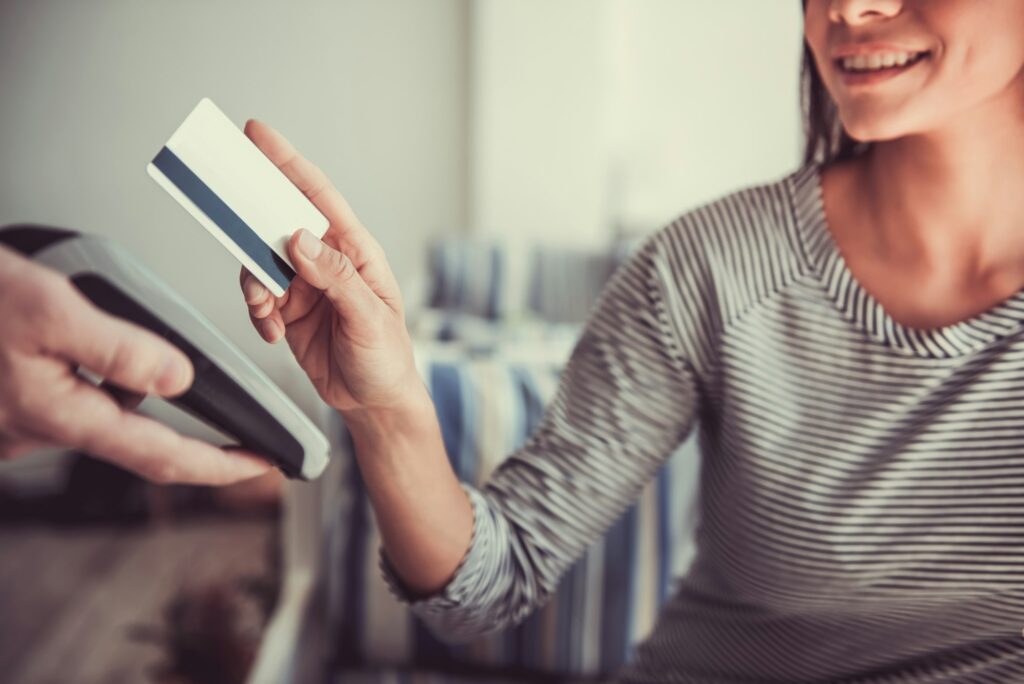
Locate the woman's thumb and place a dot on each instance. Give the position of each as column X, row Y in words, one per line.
column 331, row 272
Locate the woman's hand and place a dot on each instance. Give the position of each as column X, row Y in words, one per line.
column 343, row 319
column 48, row 329
column 343, row 316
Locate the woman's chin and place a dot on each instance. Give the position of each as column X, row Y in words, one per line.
column 872, row 131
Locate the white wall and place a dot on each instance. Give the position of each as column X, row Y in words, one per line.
column 588, row 114
column 372, row 90
column 549, row 119
column 707, row 101
column 538, row 85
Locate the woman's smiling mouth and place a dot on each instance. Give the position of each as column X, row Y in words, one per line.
column 862, row 67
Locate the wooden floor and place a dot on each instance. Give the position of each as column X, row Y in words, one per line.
column 69, row 598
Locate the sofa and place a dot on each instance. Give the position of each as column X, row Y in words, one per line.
column 491, row 337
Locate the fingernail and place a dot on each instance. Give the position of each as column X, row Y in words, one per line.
column 309, row 244
column 172, row 376
column 252, row 288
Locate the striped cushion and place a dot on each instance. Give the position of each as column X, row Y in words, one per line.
column 511, row 281
column 444, row 334
column 482, row 278
column 608, row 600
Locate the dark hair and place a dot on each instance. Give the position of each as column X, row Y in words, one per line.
column 825, row 138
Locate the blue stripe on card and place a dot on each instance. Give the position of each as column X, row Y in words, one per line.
column 221, row 214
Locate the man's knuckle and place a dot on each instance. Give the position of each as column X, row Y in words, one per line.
column 163, row 472
column 127, row 359
column 89, row 441
column 50, row 303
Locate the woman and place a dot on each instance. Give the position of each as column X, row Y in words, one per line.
column 849, row 338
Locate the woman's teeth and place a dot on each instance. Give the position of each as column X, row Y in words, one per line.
column 879, row 60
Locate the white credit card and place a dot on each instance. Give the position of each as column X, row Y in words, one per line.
column 236, row 193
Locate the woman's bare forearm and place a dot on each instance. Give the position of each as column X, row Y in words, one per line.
column 424, row 515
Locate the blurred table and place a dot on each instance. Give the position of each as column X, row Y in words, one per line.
column 70, row 598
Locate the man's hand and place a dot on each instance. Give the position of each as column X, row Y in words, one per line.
column 47, row 328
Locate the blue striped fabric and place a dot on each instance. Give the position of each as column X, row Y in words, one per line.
column 487, row 407
column 479, row 277
column 510, row 281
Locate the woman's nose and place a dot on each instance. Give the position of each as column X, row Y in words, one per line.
column 858, row 12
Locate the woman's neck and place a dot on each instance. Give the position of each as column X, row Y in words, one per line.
column 950, row 203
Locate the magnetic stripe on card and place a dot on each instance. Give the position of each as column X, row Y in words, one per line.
column 221, row 214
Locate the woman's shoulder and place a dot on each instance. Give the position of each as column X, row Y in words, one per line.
column 742, row 245
column 764, row 208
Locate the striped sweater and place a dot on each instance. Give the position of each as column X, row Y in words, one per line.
column 862, row 483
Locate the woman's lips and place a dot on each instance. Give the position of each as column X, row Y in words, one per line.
column 870, row 77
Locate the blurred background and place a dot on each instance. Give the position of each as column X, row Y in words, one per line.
column 523, row 126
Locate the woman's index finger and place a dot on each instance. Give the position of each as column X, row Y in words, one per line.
column 346, row 233
column 304, row 174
